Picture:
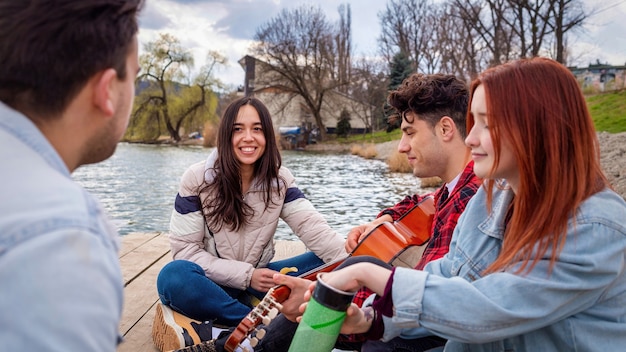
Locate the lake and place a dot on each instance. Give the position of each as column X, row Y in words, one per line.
column 138, row 184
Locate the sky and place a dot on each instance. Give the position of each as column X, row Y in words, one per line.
column 228, row 26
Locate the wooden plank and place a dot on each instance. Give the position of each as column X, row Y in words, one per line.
column 136, row 239
column 140, row 295
column 139, row 338
column 142, row 257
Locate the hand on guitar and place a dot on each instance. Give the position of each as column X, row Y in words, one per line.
column 290, row 307
column 262, row 279
column 356, row 234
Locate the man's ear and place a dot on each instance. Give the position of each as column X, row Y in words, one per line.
column 104, row 88
column 447, row 127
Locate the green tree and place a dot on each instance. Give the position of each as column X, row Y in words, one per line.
column 400, row 68
column 343, row 124
column 165, row 103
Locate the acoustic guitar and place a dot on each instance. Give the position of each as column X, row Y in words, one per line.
column 387, row 241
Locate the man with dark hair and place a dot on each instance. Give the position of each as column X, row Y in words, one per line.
column 66, row 93
column 433, row 110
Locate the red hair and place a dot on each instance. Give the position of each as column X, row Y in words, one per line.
column 537, row 106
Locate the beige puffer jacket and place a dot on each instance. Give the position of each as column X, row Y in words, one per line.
column 228, row 257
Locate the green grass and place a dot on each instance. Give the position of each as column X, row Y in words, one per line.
column 375, row 137
column 608, row 111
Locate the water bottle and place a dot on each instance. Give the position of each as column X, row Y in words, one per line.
column 322, row 319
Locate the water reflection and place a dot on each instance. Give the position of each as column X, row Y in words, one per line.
column 137, row 185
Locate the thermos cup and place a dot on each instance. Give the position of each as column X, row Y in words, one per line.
column 322, row 319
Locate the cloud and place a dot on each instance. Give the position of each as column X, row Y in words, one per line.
column 603, row 37
column 151, row 18
column 243, row 18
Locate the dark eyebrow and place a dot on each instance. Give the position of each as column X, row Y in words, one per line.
column 254, row 124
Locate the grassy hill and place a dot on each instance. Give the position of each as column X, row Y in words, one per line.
column 608, row 111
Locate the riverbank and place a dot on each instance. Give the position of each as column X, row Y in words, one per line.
column 612, row 155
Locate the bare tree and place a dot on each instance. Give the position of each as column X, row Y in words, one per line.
column 461, row 52
column 489, row 22
column 464, row 37
column 369, row 91
column 512, row 29
column 566, row 16
column 530, row 24
column 344, row 45
column 408, row 26
column 300, row 52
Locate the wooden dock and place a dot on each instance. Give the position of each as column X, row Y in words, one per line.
column 142, row 256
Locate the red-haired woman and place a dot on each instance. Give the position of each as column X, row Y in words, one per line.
column 538, row 258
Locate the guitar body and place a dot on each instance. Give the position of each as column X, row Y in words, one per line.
column 387, row 242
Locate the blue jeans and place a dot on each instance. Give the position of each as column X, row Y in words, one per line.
column 183, row 286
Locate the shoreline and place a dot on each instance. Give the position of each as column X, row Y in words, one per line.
column 612, row 156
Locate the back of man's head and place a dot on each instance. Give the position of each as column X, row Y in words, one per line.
column 432, row 97
column 50, row 48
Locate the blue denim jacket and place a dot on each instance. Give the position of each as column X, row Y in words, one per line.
column 61, row 284
column 580, row 306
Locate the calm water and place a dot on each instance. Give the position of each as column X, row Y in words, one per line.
column 138, row 184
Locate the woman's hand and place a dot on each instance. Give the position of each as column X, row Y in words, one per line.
column 262, row 279
column 357, row 320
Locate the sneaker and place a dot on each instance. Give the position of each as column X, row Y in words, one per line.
column 172, row 330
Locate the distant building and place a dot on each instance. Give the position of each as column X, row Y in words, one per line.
column 292, row 114
column 600, row 77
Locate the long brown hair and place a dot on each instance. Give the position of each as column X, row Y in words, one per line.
column 225, row 206
column 537, row 106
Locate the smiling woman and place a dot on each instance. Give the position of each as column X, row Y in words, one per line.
column 223, row 224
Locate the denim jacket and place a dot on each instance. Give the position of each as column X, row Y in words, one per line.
column 580, row 306
column 61, row 284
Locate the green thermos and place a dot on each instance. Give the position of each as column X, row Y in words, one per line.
column 322, row 319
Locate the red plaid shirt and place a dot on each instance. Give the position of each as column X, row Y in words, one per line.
column 446, row 217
